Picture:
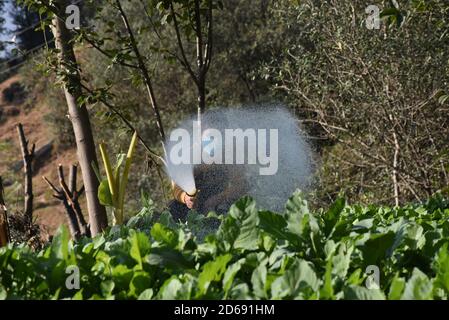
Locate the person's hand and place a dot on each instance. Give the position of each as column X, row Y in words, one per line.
column 189, row 201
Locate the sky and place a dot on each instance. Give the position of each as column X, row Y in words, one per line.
column 8, row 24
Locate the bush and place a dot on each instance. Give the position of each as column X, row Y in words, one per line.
column 254, row 254
column 373, row 100
column 15, row 93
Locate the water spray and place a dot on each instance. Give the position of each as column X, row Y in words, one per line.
column 270, row 171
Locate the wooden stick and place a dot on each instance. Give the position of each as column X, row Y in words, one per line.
column 85, row 230
column 70, row 214
column 70, row 199
column 4, row 228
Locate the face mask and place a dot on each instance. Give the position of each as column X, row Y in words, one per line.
column 208, row 145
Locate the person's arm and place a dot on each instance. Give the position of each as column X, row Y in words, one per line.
column 181, row 196
column 178, row 193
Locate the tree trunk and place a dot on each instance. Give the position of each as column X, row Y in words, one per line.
column 201, row 97
column 203, row 51
column 201, row 84
column 28, row 156
column 71, row 219
column 80, row 121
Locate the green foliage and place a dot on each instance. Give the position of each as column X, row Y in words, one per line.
column 111, row 191
column 254, row 254
column 360, row 91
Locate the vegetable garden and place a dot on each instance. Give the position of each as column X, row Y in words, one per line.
column 247, row 254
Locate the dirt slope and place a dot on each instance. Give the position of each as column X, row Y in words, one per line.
column 48, row 211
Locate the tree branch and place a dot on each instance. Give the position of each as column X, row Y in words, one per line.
column 144, row 72
column 127, row 123
column 105, row 53
column 185, row 62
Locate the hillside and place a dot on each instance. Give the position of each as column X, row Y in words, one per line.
column 48, row 212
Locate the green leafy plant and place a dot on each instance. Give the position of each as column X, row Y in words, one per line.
column 111, row 191
column 251, row 254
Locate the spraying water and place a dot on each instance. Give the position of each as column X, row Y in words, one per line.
column 261, row 148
